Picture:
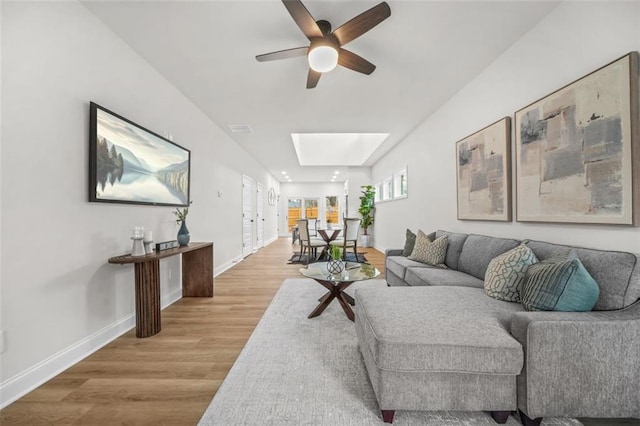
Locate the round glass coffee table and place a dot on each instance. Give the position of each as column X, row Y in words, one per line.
column 337, row 283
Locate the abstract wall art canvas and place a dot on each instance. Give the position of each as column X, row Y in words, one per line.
column 483, row 172
column 130, row 164
column 577, row 152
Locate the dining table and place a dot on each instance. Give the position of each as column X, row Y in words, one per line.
column 327, row 235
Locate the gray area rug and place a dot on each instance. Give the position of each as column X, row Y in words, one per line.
column 299, row 371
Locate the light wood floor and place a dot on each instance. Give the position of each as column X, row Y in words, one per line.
column 170, row 378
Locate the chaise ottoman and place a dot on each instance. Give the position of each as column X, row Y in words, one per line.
column 441, row 348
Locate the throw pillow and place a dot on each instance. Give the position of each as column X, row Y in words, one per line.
column 505, row 273
column 559, row 285
column 429, row 252
column 409, row 243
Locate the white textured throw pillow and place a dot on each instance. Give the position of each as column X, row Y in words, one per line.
column 430, row 252
column 506, row 273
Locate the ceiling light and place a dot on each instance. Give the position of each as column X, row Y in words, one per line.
column 337, row 172
column 323, row 58
column 283, row 172
column 286, row 176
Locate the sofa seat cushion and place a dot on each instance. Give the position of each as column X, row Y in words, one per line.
column 399, row 264
column 438, row 329
column 438, row 276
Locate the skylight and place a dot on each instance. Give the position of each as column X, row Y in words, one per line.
column 336, row 149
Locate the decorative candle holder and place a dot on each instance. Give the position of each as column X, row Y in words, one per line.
column 148, row 242
column 137, row 237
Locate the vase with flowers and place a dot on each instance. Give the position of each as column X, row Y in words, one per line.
column 181, row 219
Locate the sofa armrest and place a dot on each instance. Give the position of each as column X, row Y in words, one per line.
column 393, row 252
column 579, row 364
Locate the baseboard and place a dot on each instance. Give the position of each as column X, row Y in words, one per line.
column 271, row 240
column 380, row 249
column 227, row 265
column 21, row 384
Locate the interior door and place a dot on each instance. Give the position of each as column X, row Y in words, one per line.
column 247, row 216
column 259, row 216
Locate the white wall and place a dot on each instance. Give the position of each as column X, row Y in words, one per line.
column 60, row 298
column 573, row 40
column 1, row 329
column 358, row 177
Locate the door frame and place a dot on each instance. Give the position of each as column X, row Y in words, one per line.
column 247, row 249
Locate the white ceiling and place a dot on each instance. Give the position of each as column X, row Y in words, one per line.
column 424, row 53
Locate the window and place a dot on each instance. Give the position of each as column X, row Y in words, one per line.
column 311, row 208
column 294, row 212
column 387, row 189
column 378, row 188
column 400, row 184
column 332, row 210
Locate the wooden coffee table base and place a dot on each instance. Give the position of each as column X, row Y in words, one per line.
column 336, row 291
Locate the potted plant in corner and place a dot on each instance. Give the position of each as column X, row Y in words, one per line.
column 366, row 210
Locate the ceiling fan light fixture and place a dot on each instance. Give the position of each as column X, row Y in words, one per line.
column 323, row 58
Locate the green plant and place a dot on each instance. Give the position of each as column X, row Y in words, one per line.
column 335, row 252
column 181, row 215
column 367, row 207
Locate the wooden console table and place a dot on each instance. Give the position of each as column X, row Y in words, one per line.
column 197, row 281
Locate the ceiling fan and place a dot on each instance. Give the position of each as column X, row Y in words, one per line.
column 325, row 50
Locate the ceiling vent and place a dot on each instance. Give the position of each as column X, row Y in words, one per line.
column 240, row 128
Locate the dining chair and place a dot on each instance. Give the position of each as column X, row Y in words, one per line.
column 349, row 237
column 313, row 227
column 308, row 243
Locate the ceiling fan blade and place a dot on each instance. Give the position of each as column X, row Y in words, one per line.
column 355, row 62
column 362, row 23
column 283, row 54
column 303, row 18
column 312, row 78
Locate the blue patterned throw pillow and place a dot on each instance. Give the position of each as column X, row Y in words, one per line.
column 559, row 285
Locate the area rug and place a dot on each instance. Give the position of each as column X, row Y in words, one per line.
column 296, row 259
column 300, row 371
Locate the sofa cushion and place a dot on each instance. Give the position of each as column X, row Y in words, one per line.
column 398, row 265
column 443, row 329
column 506, row 273
column 617, row 273
column 454, row 247
column 478, row 250
column 409, row 242
column 438, row 276
column 428, row 251
column 559, row 285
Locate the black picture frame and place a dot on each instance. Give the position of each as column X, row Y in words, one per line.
column 130, row 164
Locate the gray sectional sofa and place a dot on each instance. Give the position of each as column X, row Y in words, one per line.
column 433, row 340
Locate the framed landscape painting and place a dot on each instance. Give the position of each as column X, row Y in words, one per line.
column 130, row 164
column 483, row 173
column 577, row 150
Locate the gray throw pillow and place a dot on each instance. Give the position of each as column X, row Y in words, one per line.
column 506, row 273
column 409, row 243
column 430, row 252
